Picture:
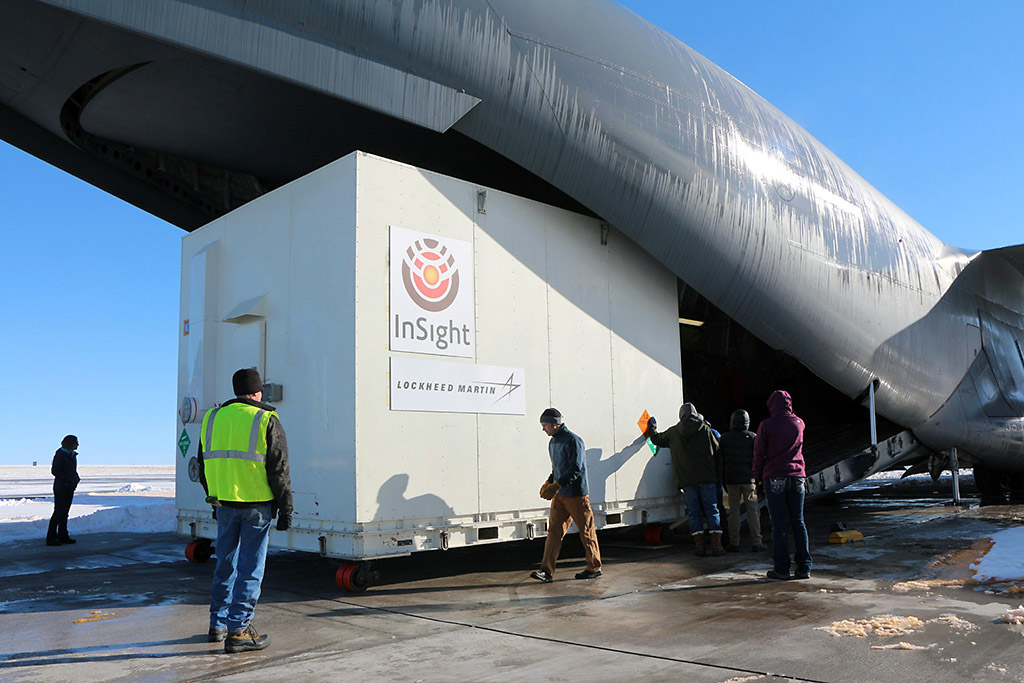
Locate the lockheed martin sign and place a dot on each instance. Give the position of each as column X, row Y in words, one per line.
column 450, row 387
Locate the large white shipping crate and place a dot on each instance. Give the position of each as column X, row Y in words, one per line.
column 415, row 326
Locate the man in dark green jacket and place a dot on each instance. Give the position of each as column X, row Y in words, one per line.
column 694, row 447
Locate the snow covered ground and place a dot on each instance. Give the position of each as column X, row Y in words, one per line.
column 133, row 499
column 1005, row 561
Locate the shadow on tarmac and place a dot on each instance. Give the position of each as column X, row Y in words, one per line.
column 70, row 655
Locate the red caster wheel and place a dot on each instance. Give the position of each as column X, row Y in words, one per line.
column 352, row 577
column 198, row 551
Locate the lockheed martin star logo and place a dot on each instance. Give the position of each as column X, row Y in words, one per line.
column 508, row 386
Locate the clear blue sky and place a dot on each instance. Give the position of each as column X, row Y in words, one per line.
column 923, row 99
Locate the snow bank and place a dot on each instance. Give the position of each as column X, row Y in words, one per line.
column 150, row 518
column 134, row 488
column 1005, row 561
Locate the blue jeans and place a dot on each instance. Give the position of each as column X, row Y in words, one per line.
column 702, row 498
column 241, row 548
column 786, row 508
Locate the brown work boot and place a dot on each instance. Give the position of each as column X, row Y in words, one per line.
column 698, row 539
column 245, row 640
column 716, row 544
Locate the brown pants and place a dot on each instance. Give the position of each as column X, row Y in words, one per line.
column 745, row 494
column 576, row 509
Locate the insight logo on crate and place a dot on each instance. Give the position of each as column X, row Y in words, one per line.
column 431, row 294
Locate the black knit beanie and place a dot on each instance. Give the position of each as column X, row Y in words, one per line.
column 246, row 381
column 551, row 416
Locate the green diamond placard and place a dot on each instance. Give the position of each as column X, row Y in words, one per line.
column 184, row 442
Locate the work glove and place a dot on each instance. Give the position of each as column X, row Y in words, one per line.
column 543, row 486
column 550, row 490
column 652, row 426
column 284, row 521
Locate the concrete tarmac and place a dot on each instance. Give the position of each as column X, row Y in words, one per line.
column 130, row 607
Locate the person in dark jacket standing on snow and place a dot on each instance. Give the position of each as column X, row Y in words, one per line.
column 779, row 461
column 65, row 481
column 694, row 446
column 736, row 453
column 243, row 467
column 569, row 492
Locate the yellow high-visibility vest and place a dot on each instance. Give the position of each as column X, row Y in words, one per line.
column 234, row 443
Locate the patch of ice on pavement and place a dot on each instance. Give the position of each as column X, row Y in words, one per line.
column 902, row 646
column 850, row 551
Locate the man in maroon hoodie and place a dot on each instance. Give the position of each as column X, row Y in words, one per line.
column 779, row 462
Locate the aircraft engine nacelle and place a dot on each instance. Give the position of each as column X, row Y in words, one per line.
column 985, row 414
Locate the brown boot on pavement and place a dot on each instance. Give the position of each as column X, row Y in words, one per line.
column 716, row 544
column 246, row 640
column 698, row 539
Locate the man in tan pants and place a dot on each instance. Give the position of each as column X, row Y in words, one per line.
column 569, row 492
column 736, row 450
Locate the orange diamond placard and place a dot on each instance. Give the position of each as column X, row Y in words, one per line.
column 642, row 422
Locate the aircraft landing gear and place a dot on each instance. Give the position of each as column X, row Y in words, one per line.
column 990, row 486
column 1015, row 485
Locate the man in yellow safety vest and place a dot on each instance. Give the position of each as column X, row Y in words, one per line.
column 243, row 466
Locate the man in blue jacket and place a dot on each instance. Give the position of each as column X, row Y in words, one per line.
column 569, row 492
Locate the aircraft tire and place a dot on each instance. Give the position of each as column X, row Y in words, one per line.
column 989, row 486
column 1015, row 484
